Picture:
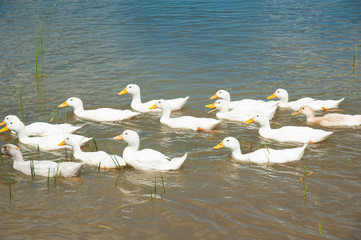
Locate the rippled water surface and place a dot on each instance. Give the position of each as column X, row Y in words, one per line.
column 93, row 49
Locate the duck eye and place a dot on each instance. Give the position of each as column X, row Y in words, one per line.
column 67, row 138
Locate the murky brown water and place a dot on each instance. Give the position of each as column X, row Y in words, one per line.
column 175, row 49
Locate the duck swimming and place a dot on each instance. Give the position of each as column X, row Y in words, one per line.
column 43, row 128
column 238, row 114
column 137, row 105
column 186, row 122
column 45, row 143
column 146, row 159
column 251, row 104
column 295, row 105
column 329, row 120
column 264, row 155
column 99, row 158
column 99, row 114
column 42, row 167
column 289, row 133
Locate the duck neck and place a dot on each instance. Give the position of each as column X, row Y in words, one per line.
column 236, row 153
column 136, row 99
column 76, row 149
column 284, row 99
column 22, row 134
column 17, row 157
column 165, row 113
column 133, row 146
column 225, row 108
column 79, row 109
column 310, row 116
column 265, row 125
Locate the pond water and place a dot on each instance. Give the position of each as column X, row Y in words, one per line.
column 93, row 49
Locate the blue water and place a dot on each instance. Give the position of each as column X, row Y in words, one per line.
column 93, row 49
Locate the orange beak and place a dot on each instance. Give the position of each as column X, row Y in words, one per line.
column 219, row 146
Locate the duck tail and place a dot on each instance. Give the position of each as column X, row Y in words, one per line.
column 70, row 169
column 176, row 163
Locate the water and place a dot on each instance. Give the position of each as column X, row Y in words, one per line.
column 174, row 49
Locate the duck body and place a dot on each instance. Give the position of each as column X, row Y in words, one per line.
column 185, row 122
column 290, row 133
column 41, row 168
column 99, row 158
column 295, row 105
column 45, row 143
column 43, row 128
column 244, row 104
column 263, row 155
column 146, row 159
column 137, row 105
column 239, row 114
column 97, row 115
column 331, row 119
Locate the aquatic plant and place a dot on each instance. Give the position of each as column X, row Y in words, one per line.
column 304, row 181
column 48, row 181
column 320, row 227
column 40, row 42
column 32, row 169
column 116, row 205
column 153, row 193
column 95, row 145
column 114, row 159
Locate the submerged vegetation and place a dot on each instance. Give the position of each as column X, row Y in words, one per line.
column 153, row 193
column 40, row 40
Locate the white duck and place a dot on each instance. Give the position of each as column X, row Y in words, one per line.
column 99, row 114
column 45, row 143
column 186, row 122
column 289, row 133
column 246, row 104
column 146, row 159
column 42, row 128
column 99, row 158
column 238, row 114
column 43, row 167
column 329, row 120
column 262, row 155
column 295, row 105
column 137, row 104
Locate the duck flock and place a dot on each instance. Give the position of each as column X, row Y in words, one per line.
column 50, row 137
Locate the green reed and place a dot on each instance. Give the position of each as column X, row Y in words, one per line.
column 95, row 145
column 2, row 162
column 98, row 167
column 116, row 205
column 40, row 41
column 153, row 193
column 320, row 227
column 32, row 168
column 113, row 157
column 304, row 181
column 48, row 181
column 163, row 184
